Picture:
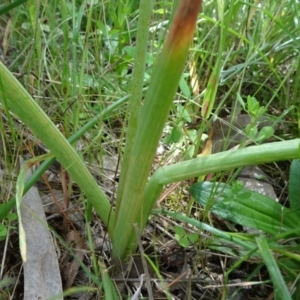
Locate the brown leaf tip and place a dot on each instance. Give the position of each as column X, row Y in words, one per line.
column 183, row 27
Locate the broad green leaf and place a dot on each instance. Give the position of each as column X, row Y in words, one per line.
column 131, row 51
column 3, row 231
column 183, row 241
column 193, row 237
column 184, row 87
column 294, row 186
column 179, row 231
column 265, row 133
column 223, row 161
column 183, row 113
column 174, row 136
column 245, row 207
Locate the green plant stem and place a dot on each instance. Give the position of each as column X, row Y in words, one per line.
column 164, row 82
column 136, row 89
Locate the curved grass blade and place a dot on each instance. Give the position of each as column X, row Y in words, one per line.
column 5, row 208
column 232, row 238
column 15, row 98
column 281, row 290
column 223, row 161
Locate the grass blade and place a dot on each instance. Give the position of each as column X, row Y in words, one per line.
column 214, row 163
column 136, row 90
column 108, row 285
column 294, row 186
column 281, row 290
column 15, row 97
column 5, row 208
column 7, row 7
column 233, row 238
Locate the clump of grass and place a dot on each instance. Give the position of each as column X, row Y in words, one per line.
column 78, row 59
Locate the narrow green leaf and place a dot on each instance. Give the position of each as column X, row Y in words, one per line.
column 294, row 186
column 5, row 208
column 227, row 160
column 108, row 285
column 3, row 231
column 183, row 241
column 193, row 237
column 167, row 71
column 253, row 210
column 7, row 7
column 281, row 290
column 223, row 161
column 19, row 194
column 231, row 238
column 14, row 97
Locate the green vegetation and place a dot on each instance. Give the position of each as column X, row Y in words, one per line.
column 114, row 78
